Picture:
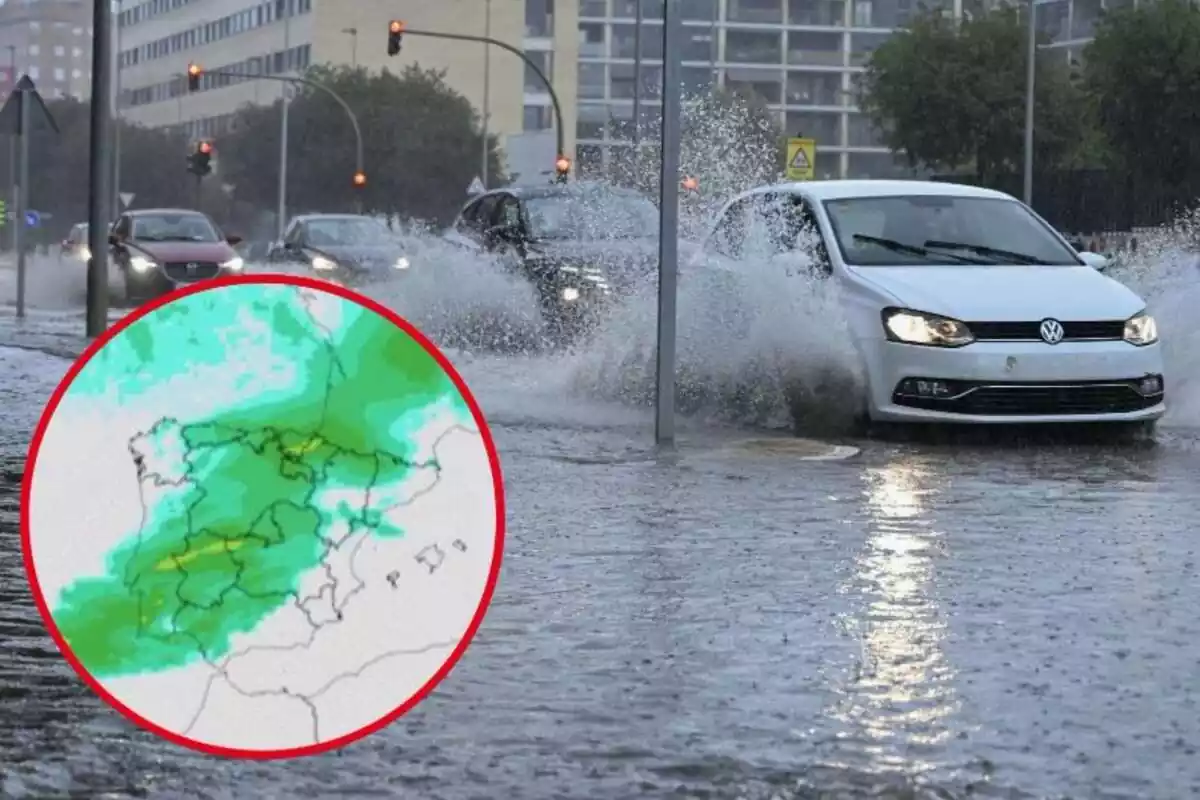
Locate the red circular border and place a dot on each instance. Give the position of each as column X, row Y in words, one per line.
column 480, row 422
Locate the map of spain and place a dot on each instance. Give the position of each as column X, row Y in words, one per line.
column 262, row 518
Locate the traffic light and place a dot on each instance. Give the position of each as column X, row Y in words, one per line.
column 193, row 77
column 691, row 184
column 360, row 179
column 562, row 169
column 198, row 161
column 395, row 34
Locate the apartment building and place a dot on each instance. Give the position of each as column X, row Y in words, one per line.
column 158, row 38
column 51, row 41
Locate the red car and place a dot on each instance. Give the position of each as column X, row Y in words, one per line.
column 160, row 249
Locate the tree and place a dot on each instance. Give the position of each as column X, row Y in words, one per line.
column 421, row 146
column 952, row 93
column 152, row 167
column 1143, row 74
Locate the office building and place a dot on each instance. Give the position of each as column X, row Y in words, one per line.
column 158, row 38
column 51, row 41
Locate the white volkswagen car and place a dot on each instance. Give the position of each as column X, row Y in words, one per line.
column 964, row 305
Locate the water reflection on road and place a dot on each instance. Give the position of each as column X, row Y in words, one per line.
column 916, row 621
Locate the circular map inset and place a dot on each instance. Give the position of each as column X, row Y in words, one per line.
column 262, row 518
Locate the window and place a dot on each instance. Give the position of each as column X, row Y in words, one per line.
column 593, row 8
column 34, row 73
column 697, row 80
column 60, row 51
column 862, row 133
column 811, row 47
column 826, row 128
column 536, row 118
column 622, row 42
column 699, row 44
column 862, row 45
column 651, row 9
column 767, row 84
column 880, row 13
column 817, row 12
column 591, row 40
column 76, row 52
column 35, row 25
column 920, row 220
column 539, row 17
column 592, row 215
column 76, row 74
column 761, row 11
column 700, row 10
column 591, row 80
column 814, row 89
column 591, row 121
column 545, row 62
column 60, row 74
column 34, row 50
column 753, row 47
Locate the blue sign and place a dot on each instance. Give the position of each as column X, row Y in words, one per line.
column 32, row 218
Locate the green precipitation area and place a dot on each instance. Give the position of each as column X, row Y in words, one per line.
column 236, row 528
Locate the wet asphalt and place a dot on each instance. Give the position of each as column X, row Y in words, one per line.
column 920, row 620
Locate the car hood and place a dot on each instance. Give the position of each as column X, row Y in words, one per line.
column 186, row 251
column 362, row 256
column 1005, row 294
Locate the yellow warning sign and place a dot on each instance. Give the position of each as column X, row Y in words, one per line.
column 801, row 153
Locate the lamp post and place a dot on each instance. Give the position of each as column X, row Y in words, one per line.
column 283, row 131
column 487, row 89
column 353, row 34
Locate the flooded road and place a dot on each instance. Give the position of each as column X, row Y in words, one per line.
column 729, row 622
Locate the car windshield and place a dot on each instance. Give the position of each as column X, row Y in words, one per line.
column 598, row 215
column 346, row 231
column 943, row 229
column 174, row 228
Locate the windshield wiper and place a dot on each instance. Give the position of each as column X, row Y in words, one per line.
column 983, row 250
column 901, row 247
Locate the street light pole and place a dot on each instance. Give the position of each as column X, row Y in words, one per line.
column 283, row 127
column 637, row 79
column 99, row 169
column 12, row 154
column 487, row 60
column 1030, row 75
column 116, row 111
column 668, row 228
column 353, row 34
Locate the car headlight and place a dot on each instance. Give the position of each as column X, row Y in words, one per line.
column 235, row 263
column 570, row 294
column 915, row 327
column 323, row 263
column 85, row 254
column 401, row 263
column 141, row 264
column 1141, row 330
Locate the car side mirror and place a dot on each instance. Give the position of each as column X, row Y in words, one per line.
column 233, row 239
column 1094, row 260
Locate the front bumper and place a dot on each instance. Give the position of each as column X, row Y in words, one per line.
column 155, row 282
column 1015, row 383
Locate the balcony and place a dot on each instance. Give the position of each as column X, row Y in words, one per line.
column 753, row 47
column 763, row 83
column 810, row 48
column 814, row 89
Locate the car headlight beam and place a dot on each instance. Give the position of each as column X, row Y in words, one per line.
column 1141, row 330
column 142, row 264
column 401, row 263
column 235, row 264
column 930, row 330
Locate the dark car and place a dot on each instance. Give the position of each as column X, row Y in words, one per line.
column 343, row 248
column 158, row 250
column 75, row 246
column 579, row 245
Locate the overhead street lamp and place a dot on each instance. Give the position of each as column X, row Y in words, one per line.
column 1030, row 79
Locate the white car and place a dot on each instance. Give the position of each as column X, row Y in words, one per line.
column 963, row 304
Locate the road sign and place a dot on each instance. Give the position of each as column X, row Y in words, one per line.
column 476, row 187
column 801, row 155
column 126, row 199
column 10, row 114
column 32, row 218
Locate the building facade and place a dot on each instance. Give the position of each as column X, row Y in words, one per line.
column 157, row 39
column 51, row 41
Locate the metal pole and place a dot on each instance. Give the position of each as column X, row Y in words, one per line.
column 116, row 201
column 668, row 229
column 283, row 128
column 99, row 169
column 1030, row 73
column 487, row 108
column 12, row 154
column 22, row 196
column 637, row 79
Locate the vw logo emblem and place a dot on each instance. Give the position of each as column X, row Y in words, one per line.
column 192, row 265
column 1051, row 331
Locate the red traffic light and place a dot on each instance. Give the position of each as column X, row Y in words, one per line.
column 360, row 179
column 395, row 35
column 205, row 148
column 193, row 77
column 691, row 184
column 396, row 26
column 562, row 165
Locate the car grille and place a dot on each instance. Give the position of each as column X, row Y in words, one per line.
column 179, row 271
column 1021, row 399
column 1106, row 330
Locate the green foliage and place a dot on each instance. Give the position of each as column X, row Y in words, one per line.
column 1143, row 74
column 951, row 94
column 153, row 167
column 421, row 146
